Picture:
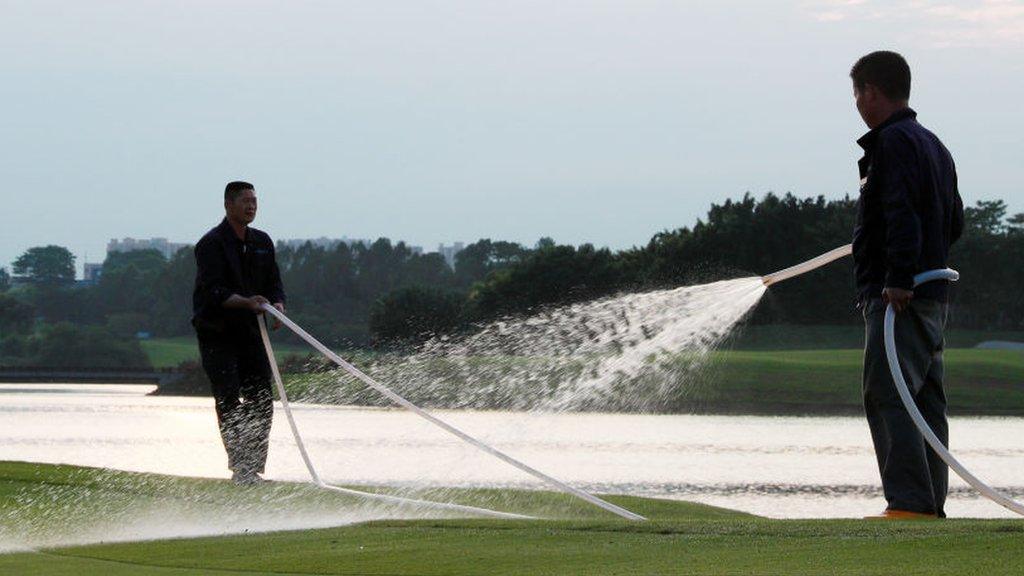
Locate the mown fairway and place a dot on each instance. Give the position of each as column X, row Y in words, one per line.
column 680, row 538
column 978, row 382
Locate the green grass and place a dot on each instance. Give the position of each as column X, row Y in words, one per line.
column 987, row 382
column 680, row 538
column 818, row 337
column 170, row 352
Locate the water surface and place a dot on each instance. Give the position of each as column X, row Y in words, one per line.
column 781, row 467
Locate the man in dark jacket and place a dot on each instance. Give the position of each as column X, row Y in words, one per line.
column 908, row 214
column 236, row 274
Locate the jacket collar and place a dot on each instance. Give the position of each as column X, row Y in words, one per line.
column 867, row 141
column 225, row 230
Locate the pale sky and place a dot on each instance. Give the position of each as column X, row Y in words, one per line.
column 433, row 121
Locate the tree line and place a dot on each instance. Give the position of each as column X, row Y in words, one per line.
column 386, row 294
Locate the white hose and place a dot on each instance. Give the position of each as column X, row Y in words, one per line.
column 915, row 414
column 367, row 495
column 804, row 267
column 391, row 395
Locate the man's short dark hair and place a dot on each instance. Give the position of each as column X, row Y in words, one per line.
column 885, row 70
column 234, row 189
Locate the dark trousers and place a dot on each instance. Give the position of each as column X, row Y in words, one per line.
column 244, row 400
column 913, row 476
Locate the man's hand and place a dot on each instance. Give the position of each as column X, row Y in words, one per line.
column 280, row 308
column 256, row 303
column 898, row 297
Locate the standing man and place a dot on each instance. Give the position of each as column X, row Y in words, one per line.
column 908, row 214
column 237, row 273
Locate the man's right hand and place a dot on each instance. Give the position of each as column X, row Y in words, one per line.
column 256, row 303
column 898, row 297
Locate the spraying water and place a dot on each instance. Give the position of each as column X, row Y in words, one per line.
column 631, row 352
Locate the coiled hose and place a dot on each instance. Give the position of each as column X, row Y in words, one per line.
column 915, row 414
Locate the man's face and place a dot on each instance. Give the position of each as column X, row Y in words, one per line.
column 243, row 208
column 867, row 103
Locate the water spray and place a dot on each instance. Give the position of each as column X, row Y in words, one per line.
column 318, row 481
column 397, row 399
column 897, row 373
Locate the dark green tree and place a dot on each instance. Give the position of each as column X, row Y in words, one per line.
column 1015, row 224
column 5, row 280
column 16, row 317
column 172, row 295
column 46, row 265
column 127, row 290
column 414, row 314
column 552, row 274
column 985, row 218
column 480, row 258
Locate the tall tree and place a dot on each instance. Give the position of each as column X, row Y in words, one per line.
column 46, row 265
column 985, row 218
column 16, row 317
column 1015, row 224
column 129, row 279
column 414, row 314
column 5, row 280
column 479, row 259
column 172, row 293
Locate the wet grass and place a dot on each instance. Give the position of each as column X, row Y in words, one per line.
column 680, row 538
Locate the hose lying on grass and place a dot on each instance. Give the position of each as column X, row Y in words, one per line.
column 897, row 372
column 359, row 493
column 391, row 395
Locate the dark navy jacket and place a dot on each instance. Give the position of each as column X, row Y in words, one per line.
column 226, row 265
column 909, row 211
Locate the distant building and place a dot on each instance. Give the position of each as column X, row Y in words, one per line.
column 91, row 272
column 161, row 245
column 449, row 252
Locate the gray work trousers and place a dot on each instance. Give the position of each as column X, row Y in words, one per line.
column 913, row 476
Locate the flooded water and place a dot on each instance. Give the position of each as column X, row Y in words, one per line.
column 781, row 467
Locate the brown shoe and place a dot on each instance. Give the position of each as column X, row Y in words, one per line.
column 891, row 514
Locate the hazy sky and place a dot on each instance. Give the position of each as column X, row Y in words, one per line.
column 430, row 121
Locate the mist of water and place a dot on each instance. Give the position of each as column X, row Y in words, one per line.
column 93, row 505
column 633, row 352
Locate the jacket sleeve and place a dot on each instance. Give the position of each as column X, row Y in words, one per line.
column 958, row 213
column 898, row 172
column 211, row 275
column 276, row 286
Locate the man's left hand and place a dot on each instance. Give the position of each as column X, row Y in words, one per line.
column 280, row 308
column 898, row 297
